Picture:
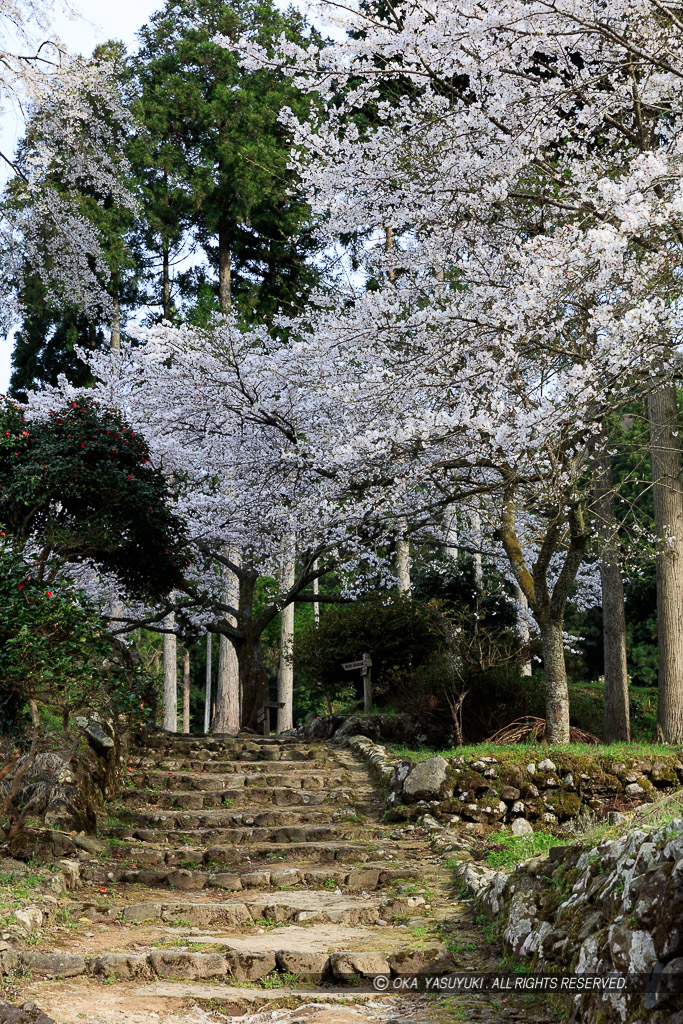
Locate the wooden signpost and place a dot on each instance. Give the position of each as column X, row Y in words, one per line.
column 263, row 714
column 365, row 666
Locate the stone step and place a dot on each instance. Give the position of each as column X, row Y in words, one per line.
column 237, row 965
column 217, row 849
column 230, row 751
column 218, row 767
column 369, row 877
column 308, row 779
column 279, row 834
column 266, row 910
column 281, row 796
column 177, row 1002
column 185, row 820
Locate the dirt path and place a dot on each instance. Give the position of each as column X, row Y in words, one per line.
column 256, row 880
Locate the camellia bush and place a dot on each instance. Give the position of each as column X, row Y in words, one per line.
column 77, row 484
column 54, row 650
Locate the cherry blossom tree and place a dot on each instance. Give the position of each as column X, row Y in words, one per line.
column 80, row 116
column 535, row 166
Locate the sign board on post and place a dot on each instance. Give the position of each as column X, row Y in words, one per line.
column 263, row 714
column 365, row 666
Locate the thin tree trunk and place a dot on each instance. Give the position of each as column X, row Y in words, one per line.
column 285, row 678
column 665, row 453
column 224, row 271
column 475, row 523
column 523, row 627
column 316, row 591
column 403, row 559
column 402, row 542
column 616, row 725
column 115, row 337
column 227, row 713
column 451, row 534
column 166, row 278
column 548, row 607
column 170, row 697
column 207, row 691
column 186, row 691
column 556, row 690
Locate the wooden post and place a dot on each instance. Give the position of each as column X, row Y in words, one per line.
column 366, row 672
column 365, row 666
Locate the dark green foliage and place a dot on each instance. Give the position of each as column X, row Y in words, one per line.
column 454, row 585
column 450, row 639
column 54, row 649
column 641, row 630
column 78, row 485
column 44, row 346
column 398, row 634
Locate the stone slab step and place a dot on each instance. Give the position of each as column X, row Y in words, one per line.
column 276, row 908
column 217, row 849
column 194, row 820
column 190, row 781
column 366, row 878
column 83, row 1001
column 246, row 965
column 247, row 796
column 278, row 834
column 246, row 751
column 225, row 767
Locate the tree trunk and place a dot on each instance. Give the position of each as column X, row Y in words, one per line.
column 116, row 323
column 224, row 271
column 523, row 627
column 475, row 523
column 316, row 591
column 166, row 277
column 226, row 719
column 556, row 691
column 616, row 725
column 227, row 714
column 285, row 677
column 186, row 691
column 665, row 453
column 253, row 680
column 207, row 689
column 170, row 697
column 403, row 560
column 451, row 534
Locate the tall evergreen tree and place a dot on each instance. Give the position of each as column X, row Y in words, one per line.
column 214, row 141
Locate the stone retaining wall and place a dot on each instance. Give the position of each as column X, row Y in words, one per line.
column 616, row 909
column 544, row 791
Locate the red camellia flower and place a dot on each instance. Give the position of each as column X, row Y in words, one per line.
column 21, row 586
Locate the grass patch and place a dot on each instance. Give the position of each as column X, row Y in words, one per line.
column 523, row 753
column 509, row 850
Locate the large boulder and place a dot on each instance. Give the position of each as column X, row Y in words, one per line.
column 427, row 780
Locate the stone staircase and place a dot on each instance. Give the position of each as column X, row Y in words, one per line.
column 237, row 875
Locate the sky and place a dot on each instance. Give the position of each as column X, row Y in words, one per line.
column 98, row 22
